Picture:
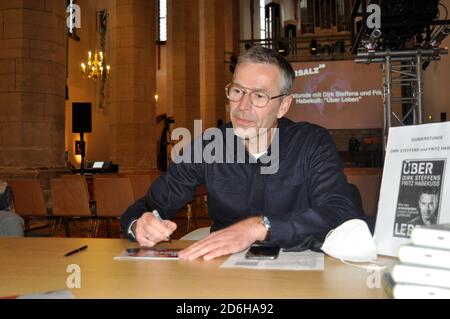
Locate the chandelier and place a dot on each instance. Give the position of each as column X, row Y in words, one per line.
column 94, row 68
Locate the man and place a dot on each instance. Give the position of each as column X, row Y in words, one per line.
column 428, row 203
column 11, row 224
column 305, row 195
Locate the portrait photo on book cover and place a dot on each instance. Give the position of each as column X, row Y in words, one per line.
column 419, row 195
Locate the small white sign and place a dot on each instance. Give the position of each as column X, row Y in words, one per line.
column 415, row 180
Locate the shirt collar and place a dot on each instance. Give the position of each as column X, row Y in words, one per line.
column 283, row 139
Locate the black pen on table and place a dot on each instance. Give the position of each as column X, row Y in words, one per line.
column 156, row 214
column 76, row 250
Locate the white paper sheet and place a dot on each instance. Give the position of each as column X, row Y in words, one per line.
column 306, row 260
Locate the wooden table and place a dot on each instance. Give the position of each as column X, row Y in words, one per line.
column 36, row 265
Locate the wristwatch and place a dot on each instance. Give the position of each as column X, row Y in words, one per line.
column 130, row 229
column 266, row 223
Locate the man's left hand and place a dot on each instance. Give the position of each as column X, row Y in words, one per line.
column 230, row 240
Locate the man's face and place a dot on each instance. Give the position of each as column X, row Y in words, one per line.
column 427, row 204
column 248, row 119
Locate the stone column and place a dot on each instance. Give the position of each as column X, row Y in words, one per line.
column 231, row 20
column 183, row 62
column 212, row 53
column 133, row 84
column 32, row 87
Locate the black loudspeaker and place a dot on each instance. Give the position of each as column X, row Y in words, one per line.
column 443, row 116
column 290, row 31
column 81, row 117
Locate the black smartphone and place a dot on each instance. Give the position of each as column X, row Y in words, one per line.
column 262, row 252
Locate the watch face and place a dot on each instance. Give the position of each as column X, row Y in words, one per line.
column 266, row 222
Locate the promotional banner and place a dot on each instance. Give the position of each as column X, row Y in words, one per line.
column 337, row 94
column 415, row 181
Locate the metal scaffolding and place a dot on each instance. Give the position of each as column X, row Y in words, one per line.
column 403, row 69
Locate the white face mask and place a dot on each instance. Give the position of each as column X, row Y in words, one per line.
column 351, row 241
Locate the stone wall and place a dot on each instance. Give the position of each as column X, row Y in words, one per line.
column 32, row 87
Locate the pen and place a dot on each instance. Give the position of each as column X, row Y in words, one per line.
column 75, row 251
column 156, row 214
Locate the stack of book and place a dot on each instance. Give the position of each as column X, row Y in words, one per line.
column 424, row 268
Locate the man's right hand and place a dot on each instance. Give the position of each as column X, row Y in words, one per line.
column 149, row 231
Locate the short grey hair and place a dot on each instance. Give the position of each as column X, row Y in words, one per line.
column 259, row 54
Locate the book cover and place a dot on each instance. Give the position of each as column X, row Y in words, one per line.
column 148, row 253
column 409, row 291
column 437, row 236
column 418, row 275
column 425, row 256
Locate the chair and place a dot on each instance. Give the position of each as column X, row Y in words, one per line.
column 155, row 173
column 201, row 195
column 28, row 199
column 70, row 199
column 369, row 187
column 140, row 184
column 357, row 199
column 80, row 180
column 113, row 196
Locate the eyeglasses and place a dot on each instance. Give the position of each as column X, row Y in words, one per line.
column 258, row 98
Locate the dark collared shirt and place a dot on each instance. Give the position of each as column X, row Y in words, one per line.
column 308, row 195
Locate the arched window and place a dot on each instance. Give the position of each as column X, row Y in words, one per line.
column 262, row 20
column 162, row 21
column 325, row 15
column 307, row 16
column 344, row 9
